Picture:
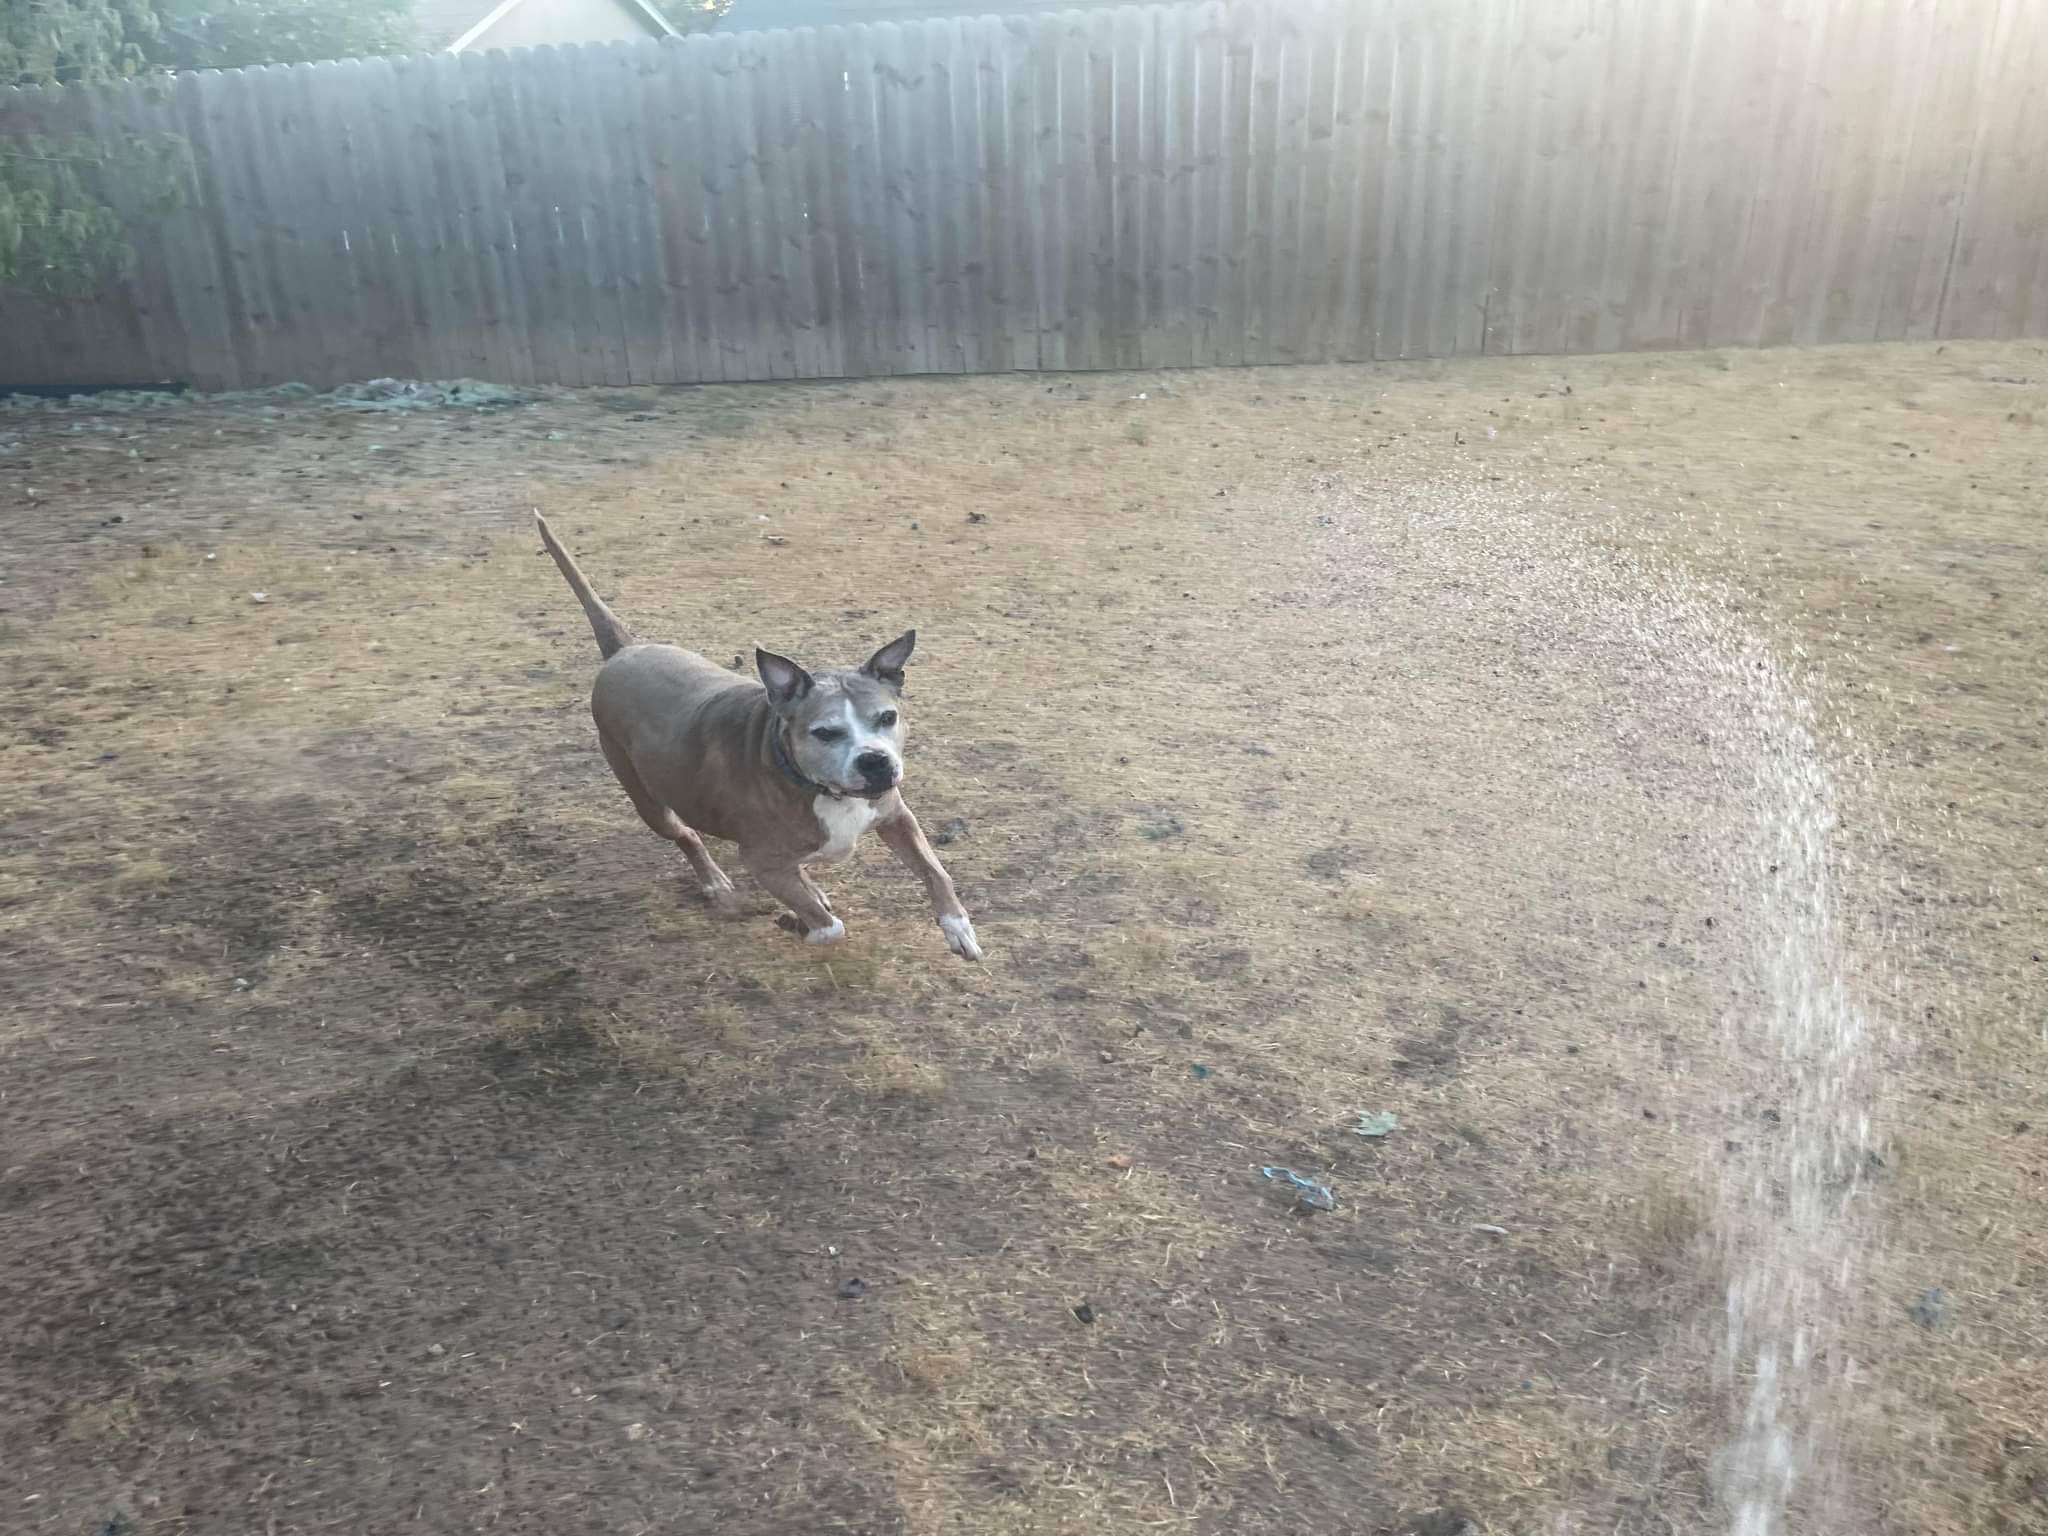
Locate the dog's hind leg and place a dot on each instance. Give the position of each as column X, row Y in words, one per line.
column 711, row 880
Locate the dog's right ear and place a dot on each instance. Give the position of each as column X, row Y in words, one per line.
column 785, row 680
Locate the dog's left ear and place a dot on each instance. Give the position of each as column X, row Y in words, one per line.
column 785, row 681
column 886, row 665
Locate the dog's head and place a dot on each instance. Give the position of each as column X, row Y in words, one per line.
column 845, row 727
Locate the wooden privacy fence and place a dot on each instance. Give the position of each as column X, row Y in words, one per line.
column 1268, row 181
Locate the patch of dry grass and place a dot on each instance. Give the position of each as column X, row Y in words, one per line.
column 1261, row 828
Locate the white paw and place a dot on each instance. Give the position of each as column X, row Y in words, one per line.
column 718, row 892
column 959, row 932
column 827, row 935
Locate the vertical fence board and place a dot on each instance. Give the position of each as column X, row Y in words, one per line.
column 400, row 309
column 1432, row 195
column 432, row 255
column 141, row 117
column 900, row 346
column 728, row 322
column 1642, row 268
column 650, row 120
column 1283, row 282
column 1170, row 206
column 1937, row 57
column 938, row 173
column 1795, row 181
column 1128, row 175
column 1363, row 91
column 592, row 212
column 1404, row 213
column 1161, row 259
column 1475, row 128
column 630, row 209
column 1211, row 188
column 499, row 174
column 1320, row 48
column 1029, row 207
column 477, row 186
column 1035, row 112
column 109, row 330
column 778, row 174
column 840, row 210
column 221, row 166
column 687, row 216
column 982, row 343
column 820, row 218
column 541, row 302
column 900, row 95
column 870, row 209
column 988, row 89
column 315, row 288
column 2001, row 224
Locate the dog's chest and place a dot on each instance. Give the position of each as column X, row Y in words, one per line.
column 842, row 822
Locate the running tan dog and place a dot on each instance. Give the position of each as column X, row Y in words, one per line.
column 793, row 768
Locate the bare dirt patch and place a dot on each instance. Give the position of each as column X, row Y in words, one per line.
column 388, row 1138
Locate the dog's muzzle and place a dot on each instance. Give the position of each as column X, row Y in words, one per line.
column 878, row 774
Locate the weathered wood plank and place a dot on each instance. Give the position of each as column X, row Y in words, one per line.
column 987, row 102
column 1291, row 69
column 477, row 186
column 552, row 310
column 936, row 53
column 688, row 190
column 790, row 316
column 627, row 205
column 812, row 146
column 438, row 268
column 1052, row 217
column 1127, row 174
column 1475, row 158
column 836, row 206
column 1209, row 188
column 984, row 342
column 1170, row 203
column 1236, row 215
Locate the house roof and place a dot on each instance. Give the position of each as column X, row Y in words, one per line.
column 442, row 21
column 763, row 15
column 453, row 24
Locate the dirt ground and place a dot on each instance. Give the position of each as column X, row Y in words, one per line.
column 389, row 1140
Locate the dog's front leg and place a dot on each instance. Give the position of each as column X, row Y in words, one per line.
column 788, row 884
column 906, row 840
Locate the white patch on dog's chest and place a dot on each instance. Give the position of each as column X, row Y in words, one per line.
column 842, row 821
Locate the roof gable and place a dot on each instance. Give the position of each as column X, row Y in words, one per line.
column 455, row 26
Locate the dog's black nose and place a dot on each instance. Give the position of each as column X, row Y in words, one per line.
column 875, row 765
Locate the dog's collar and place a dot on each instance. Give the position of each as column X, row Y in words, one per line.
column 796, row 775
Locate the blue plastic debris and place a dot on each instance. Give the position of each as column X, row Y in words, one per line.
column 1376, row 1124
column 1316, row 1197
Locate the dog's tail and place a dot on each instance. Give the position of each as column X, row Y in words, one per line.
column 610, row 629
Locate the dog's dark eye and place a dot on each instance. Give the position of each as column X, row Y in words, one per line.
column 886, row 718
column 827, row 732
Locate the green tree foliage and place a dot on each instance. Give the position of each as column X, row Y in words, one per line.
column 67, row 204
column 236, row 34
column 61, row 224
column 46, row 40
